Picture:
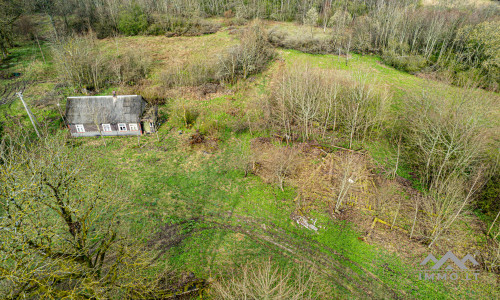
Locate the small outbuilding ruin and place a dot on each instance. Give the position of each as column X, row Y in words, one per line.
column 109, row 116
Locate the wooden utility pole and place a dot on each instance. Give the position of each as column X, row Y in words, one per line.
column 20, row 95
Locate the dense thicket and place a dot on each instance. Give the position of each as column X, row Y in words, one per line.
column 85, row 66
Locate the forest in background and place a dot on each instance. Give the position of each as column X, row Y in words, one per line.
column 452, row 40
column 323, row 132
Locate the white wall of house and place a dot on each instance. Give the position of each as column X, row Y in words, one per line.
column 120, row 129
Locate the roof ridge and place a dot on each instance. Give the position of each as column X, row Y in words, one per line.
column 118, row 96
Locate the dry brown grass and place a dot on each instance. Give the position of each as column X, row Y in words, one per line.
column 345, row 184
column 275, row 162
column 325, row 181
column 167, row 51
column 337, row 180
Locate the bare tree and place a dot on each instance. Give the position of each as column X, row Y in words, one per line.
column 302, row 98
column 361, row 107
column 311, row 101
column 58, row 229
column 451, row 203
column 446, row 142
column 266, row 280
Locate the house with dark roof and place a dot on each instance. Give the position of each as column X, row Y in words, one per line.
column 109, row 116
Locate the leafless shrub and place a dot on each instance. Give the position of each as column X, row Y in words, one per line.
column 362, row 108
column 249, row 57
column 444, row 137
column 266, row 281
column 407, row 63
column 192, row 73
column 311, row 101
column 299, row 98
column 303, row 42
column 491, row 255
column 184, row 26
column 82, row 63
column 153, row 94
column 446, row 142
column 130, row 66
column 275, row 163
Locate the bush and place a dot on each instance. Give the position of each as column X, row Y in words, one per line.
column 234, row 22
column 130, row 67
column 266, row 281
column 340, row 19
column 408, row 63
column 480, row 49
column 249, row 57
column 183, row 114
column 81, row 62
column 156, row 29
column 303, row 42
column 445, row 142
column 38, row 70
column 308, row 102
column 132, row 21
column 180, row 26
column 192, row 73
column 488, row 199
column 443, row 138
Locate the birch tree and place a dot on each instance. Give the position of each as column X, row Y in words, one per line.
column 311, row 19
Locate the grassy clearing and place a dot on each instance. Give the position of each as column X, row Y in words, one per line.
column 228, row 219
column 176, row 50
column 20, row 57
column 296, row 30
column 396, row 81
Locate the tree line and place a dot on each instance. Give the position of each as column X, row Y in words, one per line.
column 458, row 43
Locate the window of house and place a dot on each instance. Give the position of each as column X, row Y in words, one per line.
column 80, row 128
column 133, row 127
column 122, row 126
column 106, row 127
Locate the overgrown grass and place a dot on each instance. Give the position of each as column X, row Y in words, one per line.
column 227, row 218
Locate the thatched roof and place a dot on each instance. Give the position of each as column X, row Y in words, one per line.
column 104, row 109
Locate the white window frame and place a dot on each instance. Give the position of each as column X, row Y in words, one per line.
column 120, row 125
column 80, row 128
column 133, row 127
column 106, row 127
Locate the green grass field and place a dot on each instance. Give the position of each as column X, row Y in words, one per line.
column 227, row 219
